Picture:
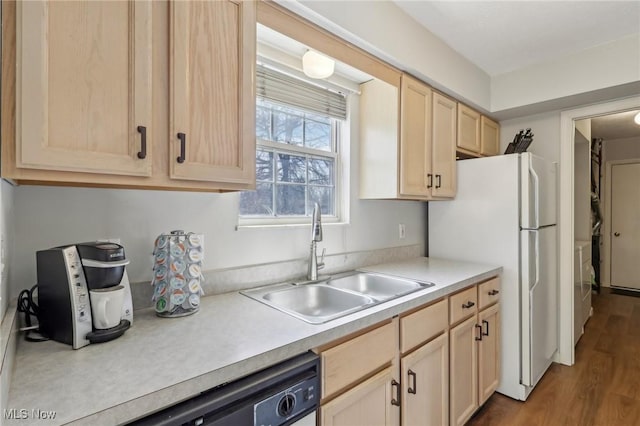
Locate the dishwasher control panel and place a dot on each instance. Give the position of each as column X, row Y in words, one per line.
column 300, row 398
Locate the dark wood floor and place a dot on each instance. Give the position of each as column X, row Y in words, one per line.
column 602, row 388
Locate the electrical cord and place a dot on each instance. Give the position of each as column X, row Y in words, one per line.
column 28, row 306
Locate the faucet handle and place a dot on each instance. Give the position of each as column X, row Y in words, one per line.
column 321, row 263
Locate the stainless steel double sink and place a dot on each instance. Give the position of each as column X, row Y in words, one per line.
column 323, row 301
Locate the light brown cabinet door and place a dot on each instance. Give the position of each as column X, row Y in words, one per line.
column 463, row 371
column 369, row 404
column 416, row 177
column 212, row 94
column 83, row 86
column 468, row 128
column 489, row 137
column 444, row 146
column 489, row 352
column 425, row 384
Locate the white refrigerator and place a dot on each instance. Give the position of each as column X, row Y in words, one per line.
column 504, row 213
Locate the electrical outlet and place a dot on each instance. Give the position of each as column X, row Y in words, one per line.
column 401, row 231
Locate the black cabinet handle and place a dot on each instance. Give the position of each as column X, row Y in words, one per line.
column 395, row 401
column 415, row 382
column 479, row 327
column 469, row 304
column 429, row 180
column 142, row 154
column 494, row 292
column 438, row 181
column 486, row 324
column 183, row 147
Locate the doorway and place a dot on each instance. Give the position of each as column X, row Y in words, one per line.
column 625, row 223
column 566, row 215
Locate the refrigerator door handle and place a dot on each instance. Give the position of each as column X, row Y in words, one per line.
column 530, row 265
column 536, row 196
column 530, row 269
column 536, row 259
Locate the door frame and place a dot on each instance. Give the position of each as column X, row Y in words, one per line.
column 606, row 233
column 566, row 349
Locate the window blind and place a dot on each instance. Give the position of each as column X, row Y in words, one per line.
column 282, row 88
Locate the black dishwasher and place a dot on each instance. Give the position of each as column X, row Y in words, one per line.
column 278, row 395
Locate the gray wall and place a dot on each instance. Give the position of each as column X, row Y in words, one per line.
column 546, row 130
column 50, row 216
column 6, row 240
column 620, row 149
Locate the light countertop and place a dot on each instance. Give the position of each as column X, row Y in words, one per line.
column 161, row 361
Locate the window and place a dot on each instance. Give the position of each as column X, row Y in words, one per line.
column 297, row 152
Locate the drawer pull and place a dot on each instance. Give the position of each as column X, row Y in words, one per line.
column 430, row 180
column 183, row 147
column 142, row 154
column 467, row 305
column 415, row 382
column 494, row 292
column 395, row 401
column 479, row 327
column 486, row 324
column 438, row 181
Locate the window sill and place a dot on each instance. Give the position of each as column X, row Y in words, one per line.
column 243, row 227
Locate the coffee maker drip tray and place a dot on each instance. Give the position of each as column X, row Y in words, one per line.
column 100, row 336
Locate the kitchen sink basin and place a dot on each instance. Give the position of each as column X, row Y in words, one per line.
column 380, row 287
column 317, row 303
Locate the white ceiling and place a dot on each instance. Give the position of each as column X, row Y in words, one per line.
column 503, row 36
column 615, row 126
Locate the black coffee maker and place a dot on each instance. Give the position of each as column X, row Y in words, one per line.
column 84, row 294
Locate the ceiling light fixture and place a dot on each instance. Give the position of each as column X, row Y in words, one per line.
column 316, row 65
column 637, row 119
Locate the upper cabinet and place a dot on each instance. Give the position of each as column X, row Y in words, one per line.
column 416, row 178
column 84, row 87
column 468, row 128
column 489, row 137
column 407, row 141
column 212, row 96
column 478, row 135
column 130, row 94
column 444, row 148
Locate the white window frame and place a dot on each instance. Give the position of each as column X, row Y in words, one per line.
column 339, row 131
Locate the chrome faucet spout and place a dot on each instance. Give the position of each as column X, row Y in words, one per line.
column 316, row 223
column 316, row 235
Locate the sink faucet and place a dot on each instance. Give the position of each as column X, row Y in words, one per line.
column 316, row 235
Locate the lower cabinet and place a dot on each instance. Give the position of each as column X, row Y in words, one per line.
column 425, row 384
column 475, row 354
column 434, row 365
column 372, row 402
column 464, row 377
column 489, row 353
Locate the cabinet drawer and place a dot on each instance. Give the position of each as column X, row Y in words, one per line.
column 489, row 292
column 369, row 403
column 354, row 359
column 422, row 325
column 463, row 304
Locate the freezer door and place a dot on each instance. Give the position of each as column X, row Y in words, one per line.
column 539, row 294
column 538, row 189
